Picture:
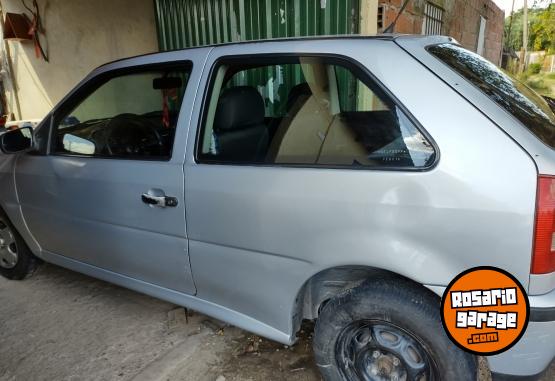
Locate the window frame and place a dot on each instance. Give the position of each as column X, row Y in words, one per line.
column 87, row 88
column 380, row 18
column 363, row 74
column 431, row 21
column 482, row 36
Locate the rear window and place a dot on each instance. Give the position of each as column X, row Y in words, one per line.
column 518, row 99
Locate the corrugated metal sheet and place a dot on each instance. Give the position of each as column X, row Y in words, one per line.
column 189, row 23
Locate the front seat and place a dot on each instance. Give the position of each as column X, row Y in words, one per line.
column 297, row 98
column 239, row 129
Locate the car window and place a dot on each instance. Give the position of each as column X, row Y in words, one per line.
column 515, row 97
column 131, row 116
column 306, row 111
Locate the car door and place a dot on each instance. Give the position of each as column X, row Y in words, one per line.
column 298, row 159
column 110, row 191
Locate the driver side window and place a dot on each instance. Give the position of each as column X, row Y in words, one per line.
column 129, row 116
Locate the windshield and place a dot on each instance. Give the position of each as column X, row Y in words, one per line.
column 531, row 109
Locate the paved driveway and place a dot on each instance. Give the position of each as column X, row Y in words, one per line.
column 61, row 325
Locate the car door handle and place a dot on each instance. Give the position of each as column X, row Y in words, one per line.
column 160, row 201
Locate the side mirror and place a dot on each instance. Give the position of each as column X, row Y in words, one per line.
column 15, row 141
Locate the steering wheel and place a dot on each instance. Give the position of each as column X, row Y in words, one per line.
column 132, row 135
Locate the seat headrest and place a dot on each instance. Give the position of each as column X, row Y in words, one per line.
column 299, row 91
column 239, row 107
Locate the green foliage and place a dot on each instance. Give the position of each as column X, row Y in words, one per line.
column 523, row 77
column 541, row 31
column 543, row 83
column 537, row 84
column 535, row 68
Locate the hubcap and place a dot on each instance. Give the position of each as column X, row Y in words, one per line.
column 8, row 247
column 381, row 351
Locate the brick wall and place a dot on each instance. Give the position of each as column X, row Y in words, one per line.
column 461, row 21
column 410, row 21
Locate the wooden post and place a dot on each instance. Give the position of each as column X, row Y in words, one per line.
column 525, row 35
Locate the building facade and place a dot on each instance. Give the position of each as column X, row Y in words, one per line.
column 476, row 24
column 80, row 35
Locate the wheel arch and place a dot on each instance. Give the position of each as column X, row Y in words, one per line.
column 328, row 283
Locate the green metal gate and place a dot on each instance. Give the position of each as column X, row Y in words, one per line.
column 189, row 23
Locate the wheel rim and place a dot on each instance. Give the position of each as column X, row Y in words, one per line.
column 380, row 351
column 8, row 247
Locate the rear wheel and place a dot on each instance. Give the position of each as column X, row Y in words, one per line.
column 387, row 329
column 380, row 350
column 16, row 260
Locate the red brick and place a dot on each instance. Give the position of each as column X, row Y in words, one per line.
column 405, row 24
column 461, row 21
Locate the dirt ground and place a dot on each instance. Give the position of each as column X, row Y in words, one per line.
column 61, row 325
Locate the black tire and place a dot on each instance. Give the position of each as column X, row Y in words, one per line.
column 400, row 309
column 26, row 262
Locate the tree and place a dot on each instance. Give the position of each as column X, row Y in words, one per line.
column 541, row 28
column 542, row 32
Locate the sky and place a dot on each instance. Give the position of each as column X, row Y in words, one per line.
column 507, row 4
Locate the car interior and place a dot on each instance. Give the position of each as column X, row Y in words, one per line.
column 111, row 122
column 306, row 111
column 328, row 117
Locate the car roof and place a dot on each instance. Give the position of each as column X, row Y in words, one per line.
column 330, row 38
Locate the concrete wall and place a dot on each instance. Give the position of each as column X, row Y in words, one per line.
column 368, row 17
column 462, row 21
column 80, row 35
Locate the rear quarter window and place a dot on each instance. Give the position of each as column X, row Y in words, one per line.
column 531, row 109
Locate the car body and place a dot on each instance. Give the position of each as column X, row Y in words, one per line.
column 263, row 245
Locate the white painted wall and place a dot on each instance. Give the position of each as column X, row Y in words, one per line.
column 80, row 35
column 482, row 36
column 369, row 17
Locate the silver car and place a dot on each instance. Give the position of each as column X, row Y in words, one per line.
column 342, row 180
